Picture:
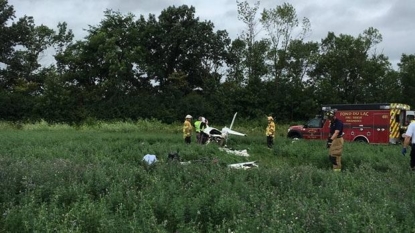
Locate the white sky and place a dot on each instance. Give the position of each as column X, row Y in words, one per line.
column 393, row 18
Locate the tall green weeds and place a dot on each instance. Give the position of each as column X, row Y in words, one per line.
column 92, row 179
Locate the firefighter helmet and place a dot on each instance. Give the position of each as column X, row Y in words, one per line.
column 188, row 117
column 330, row 113
column 270, row 118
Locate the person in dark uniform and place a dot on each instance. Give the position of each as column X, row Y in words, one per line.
column 335, row 141
column 203, row 136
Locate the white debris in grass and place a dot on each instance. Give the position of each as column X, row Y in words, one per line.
column 243, row 153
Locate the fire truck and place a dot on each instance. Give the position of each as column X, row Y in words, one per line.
column 378, row 123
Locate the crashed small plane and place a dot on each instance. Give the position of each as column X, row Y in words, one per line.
column 220, row 136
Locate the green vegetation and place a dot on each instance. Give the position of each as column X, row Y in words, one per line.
column 79, row 169
column 56, row 178
column 117, row 73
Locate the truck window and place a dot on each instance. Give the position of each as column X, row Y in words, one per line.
column 314, row 123
column 401, row 118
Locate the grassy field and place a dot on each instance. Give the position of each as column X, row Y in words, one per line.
column 91, row 179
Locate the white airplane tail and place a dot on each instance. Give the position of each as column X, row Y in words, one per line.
column 233, row 120
column 233, row 132
column 221, row 136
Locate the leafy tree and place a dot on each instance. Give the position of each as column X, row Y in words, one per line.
column 178, row 42
column 295, row 98
column 289, row 60
column 235, row 63
column 183, row 57
column 124, row 60
column 247, row 67
column 22, row 46
column 248, row 92
column 280, row 24
column 341, row 70
column 102, row 71
column 164, row 67
column 380, row 83
column 56, row 104
column 407, row 77
column 247, row 15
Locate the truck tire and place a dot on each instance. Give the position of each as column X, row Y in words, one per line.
column 361, row 140
column 294, row 135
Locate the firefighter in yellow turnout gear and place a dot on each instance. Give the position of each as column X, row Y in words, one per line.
column 270, row 132
column 335, row 141
column 187, row 129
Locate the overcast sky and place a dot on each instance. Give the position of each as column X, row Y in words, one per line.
column 393, row 18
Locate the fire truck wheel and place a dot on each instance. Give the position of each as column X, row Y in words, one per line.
column 294, row 136
column 361, row 140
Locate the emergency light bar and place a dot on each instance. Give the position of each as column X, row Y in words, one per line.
column 396, row 106
column 375, row 106
column 328, row 109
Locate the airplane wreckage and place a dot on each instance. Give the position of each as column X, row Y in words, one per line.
column 243, row 165
column 214, row 135
column 220, row 136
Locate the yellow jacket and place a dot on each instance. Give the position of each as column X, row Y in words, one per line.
column 270, row 131
column 187, row 129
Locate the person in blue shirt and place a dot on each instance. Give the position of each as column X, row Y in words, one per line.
column 335, row 141
column 150, row 159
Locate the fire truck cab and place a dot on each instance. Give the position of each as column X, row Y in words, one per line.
column 379, row 123
column 410, row 116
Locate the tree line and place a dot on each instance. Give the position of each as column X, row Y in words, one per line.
column 166, row 66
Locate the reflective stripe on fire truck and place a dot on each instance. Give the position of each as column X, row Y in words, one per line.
column 394, row 126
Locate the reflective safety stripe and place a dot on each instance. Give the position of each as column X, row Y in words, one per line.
column 394, row 126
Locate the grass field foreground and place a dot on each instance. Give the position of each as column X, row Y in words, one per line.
column 56, row 178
